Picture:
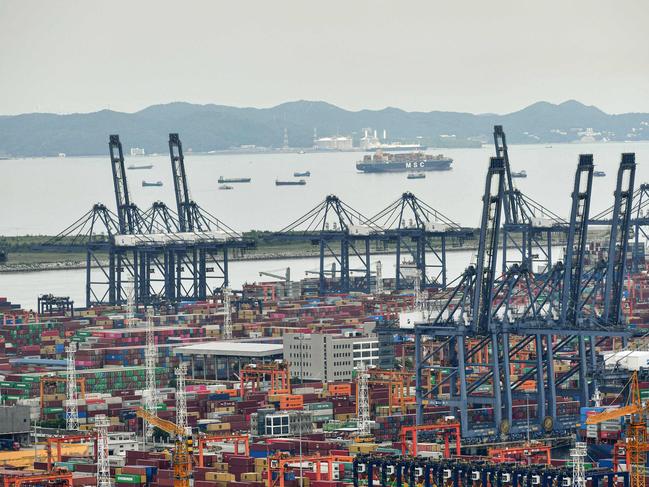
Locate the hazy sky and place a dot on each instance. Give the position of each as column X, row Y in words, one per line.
column 477, row 56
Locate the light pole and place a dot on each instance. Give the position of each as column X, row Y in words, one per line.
column 300, row 418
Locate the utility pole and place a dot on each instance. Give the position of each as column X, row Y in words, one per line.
column 103, row 467
column 150, row 357
column 227, row 317
column 72, row 397
column 363, row 422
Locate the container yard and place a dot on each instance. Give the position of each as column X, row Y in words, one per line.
column 358, row 244
column 528, row 369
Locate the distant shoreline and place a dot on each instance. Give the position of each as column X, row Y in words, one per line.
column 20, row 268
column 311, row 150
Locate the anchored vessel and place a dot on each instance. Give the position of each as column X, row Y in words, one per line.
column 151, row 183
column 233, row 180
column 380, row 162
column 225, row 186
column 142, row 166
column 519, row 174
column 304, row 174
column 417, row 175
column 300, row 182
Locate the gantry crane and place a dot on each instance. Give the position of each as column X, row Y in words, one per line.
column 447, row 427
column 58, row 478
column 281, row 462
column 637, row 443
column 255, row 374
column 237, row 440
column 182, row 455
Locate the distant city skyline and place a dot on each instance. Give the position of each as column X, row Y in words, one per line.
column 480, row 57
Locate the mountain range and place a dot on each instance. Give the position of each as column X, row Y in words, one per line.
column 205, row 128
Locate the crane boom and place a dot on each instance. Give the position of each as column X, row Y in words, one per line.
column 614, row 414
column 163, row 424
column 577, row 239
column 512, row 211
column 185, row 220
column 619, row 238
column 488, row 244
column 127, row 213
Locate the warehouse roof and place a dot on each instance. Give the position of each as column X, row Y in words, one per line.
column 244, row 349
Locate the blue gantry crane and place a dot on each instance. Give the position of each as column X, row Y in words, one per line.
column 560, row 315
column 202, row 267
column 528, row 232
column 420, row 233
column 342, row 235
column 162, row 256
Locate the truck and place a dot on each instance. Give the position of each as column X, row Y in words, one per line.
column 9, row 444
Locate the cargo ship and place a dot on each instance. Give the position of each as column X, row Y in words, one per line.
column 397, row 147
column 519, row 174
column 142, row 166
column 380, row 162
column 146, row 184
column 233, row 180
column 300, row 182
column 304, row 174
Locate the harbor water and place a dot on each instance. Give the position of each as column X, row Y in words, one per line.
column 48, row 194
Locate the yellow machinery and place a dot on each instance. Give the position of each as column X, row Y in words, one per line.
column 182, row 456
column 636, row 430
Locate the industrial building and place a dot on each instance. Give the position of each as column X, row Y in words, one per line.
column 220, row 360
column 338, row 142
column 328, row 357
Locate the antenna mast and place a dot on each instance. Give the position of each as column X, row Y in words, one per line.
column 72, row 403
column 103, row 467
column 151, row 400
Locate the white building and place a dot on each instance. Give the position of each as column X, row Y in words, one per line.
column 329, row 357
column 340, row 143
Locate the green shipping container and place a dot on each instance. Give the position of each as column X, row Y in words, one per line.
column 52, row 410
column 128, row 478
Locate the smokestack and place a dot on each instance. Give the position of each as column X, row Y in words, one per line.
column 375, row 134
column 385, row 134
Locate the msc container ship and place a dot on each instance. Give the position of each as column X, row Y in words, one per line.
column 404, row 162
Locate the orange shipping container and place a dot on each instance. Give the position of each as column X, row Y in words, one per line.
column 339, row 389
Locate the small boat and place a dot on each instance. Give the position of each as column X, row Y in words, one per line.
column 519, row 174
column 300, row 182
column 304, row 174
column 599, row 174
column 233, row 180
column 142, row 166
column 225, row 186
column 416, row 175
column 146, row 184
